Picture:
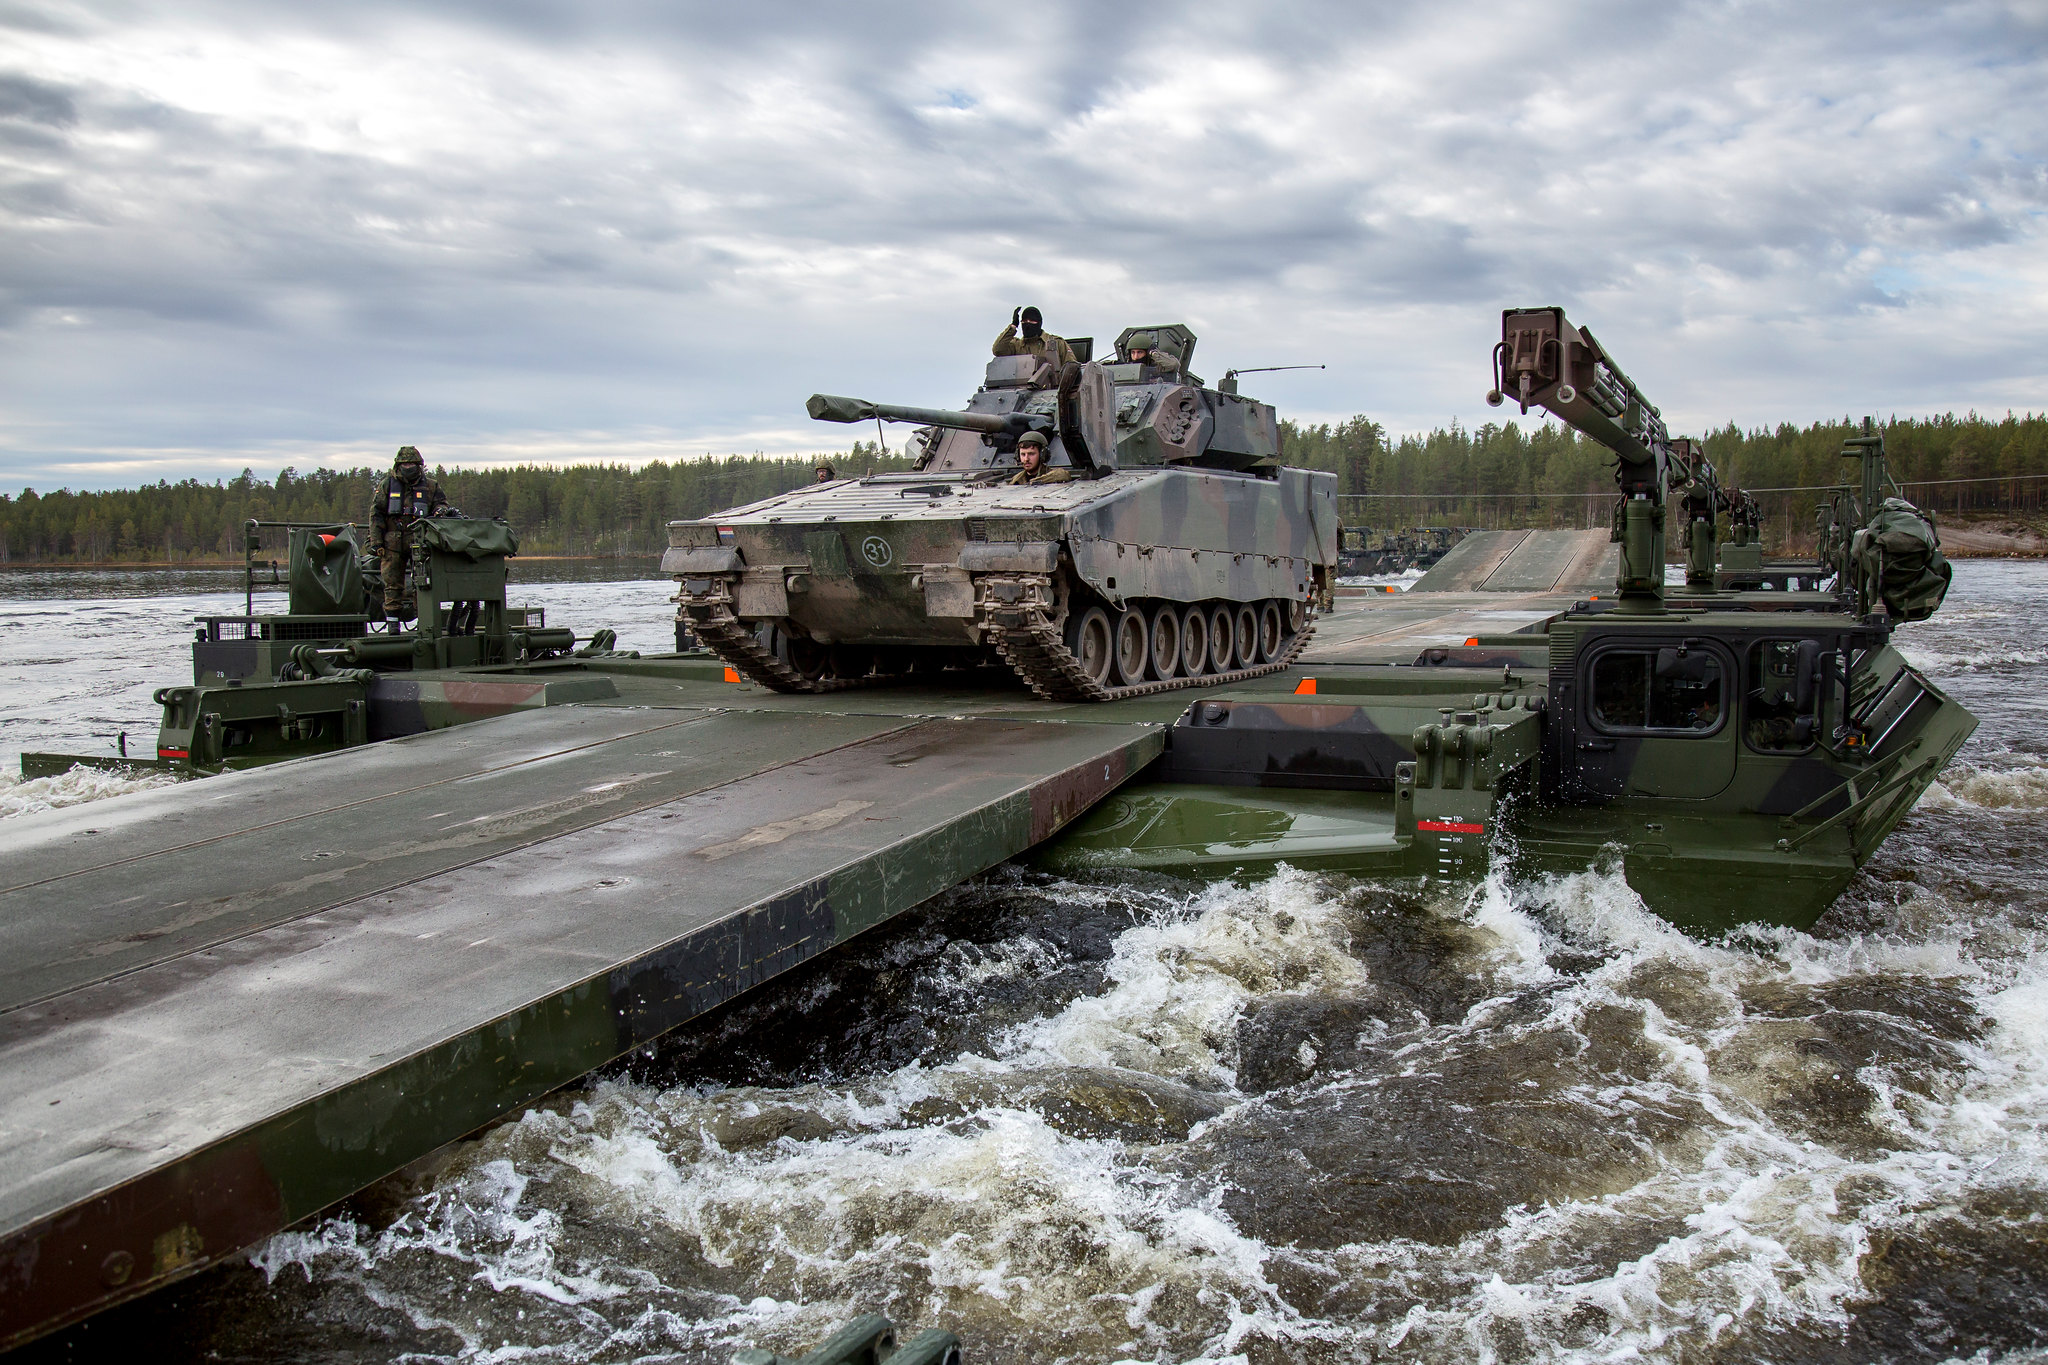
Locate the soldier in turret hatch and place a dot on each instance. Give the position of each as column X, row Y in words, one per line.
column 1035, row 340
column 405, row 495
column 1143, row 349
column 1031, row 466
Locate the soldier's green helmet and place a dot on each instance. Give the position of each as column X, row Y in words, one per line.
column 1032, row 438
column 1140, row 341
column 409, row 455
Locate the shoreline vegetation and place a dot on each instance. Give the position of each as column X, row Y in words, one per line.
column 1984, row 478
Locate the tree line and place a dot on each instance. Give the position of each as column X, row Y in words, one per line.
column 1507, row 474
column 1498, row 474
column 599, row 509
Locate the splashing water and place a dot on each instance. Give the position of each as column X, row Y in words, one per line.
column 26, row 796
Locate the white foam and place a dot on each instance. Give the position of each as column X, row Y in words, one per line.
column 73, row 787
column 1179, row 984
column 2003, row 789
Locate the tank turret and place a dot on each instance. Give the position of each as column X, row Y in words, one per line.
column 1099, row 416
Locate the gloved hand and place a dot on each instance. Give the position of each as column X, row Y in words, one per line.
column 1017, row 315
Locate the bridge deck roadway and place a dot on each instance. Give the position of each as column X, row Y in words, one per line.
column 226, row 1005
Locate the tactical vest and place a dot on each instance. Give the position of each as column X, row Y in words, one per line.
column 404, row 504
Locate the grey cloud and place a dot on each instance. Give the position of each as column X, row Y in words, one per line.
column 678, row 219
column 36, row 101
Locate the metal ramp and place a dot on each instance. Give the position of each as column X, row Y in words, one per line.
column 223, row 1009
column 1525, row 561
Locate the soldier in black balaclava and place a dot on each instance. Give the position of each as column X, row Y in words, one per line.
column 1035, row 340
column 403, row 496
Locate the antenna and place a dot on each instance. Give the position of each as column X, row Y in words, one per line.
column 1229, row 384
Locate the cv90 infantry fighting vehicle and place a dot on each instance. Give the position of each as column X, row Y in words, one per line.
column 1176, row 550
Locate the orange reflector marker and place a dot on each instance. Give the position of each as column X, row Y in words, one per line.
column 732, row 674
column 1305, row 688
column 1390, row 588
column 1471, row 639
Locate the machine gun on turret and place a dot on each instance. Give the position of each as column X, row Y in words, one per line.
column 1543, row 360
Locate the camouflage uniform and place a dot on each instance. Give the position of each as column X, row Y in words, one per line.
column 1160, row 359
column 1044, row 476
column 1045, row 346
column 394, row 507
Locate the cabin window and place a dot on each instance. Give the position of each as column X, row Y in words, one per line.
column 1672, row 690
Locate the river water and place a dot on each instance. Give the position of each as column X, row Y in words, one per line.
column 1310, row 1119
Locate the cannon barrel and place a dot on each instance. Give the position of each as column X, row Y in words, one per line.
column 825, row 407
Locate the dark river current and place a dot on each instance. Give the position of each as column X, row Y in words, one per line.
column 1309, row 1119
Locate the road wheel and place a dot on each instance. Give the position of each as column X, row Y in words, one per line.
column 1269, row 632
column 1133, row 646
column 807, row 657
column 1194, row 642
column 1297, row 616
column 1165, row 661
column 1088, row 637
column 1245, row 626
column 1222, row 638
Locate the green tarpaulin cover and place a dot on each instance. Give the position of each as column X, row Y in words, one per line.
column 1916, row 576
column 326, row 579
column 472, row 537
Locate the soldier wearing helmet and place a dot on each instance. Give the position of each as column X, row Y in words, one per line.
column 1144, row 349
column 1034, row 341
column 1031, row 466
column 403, row 496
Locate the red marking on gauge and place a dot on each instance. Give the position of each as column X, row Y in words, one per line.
column 1449, row 827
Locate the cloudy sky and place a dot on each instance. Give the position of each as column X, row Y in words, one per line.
column 267, row 234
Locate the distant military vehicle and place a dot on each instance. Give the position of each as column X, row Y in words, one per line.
column 1363, row 551
column 1168, row 548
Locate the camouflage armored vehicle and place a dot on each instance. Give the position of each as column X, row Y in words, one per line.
column 1164, row 545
